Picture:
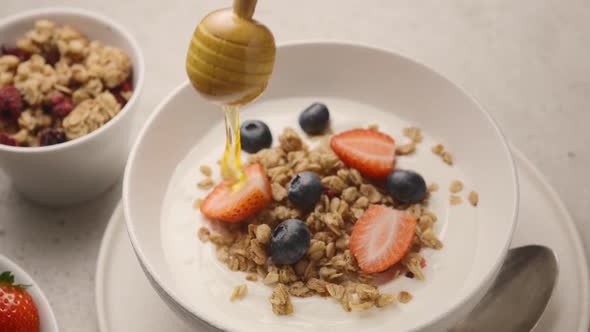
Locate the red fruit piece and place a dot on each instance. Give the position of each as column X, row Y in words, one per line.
column 6, row 139
column 120, row 99
column 21, row 54
column 123, row 87
column 370, row 152
column 51, row 136
column 51, row 56
column 11, row 104
column 234, row 206
column 60, row 105
column 18, row 311
column 381, row 237
column 330, row 193
column 126, row 86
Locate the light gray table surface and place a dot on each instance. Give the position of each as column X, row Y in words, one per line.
column 527, row 62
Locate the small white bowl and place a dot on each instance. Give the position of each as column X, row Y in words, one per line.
column 80, row 169
column 355, row 80
column 48, row 323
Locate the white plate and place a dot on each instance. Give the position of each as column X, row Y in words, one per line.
column 126, row 301
column 48, row 323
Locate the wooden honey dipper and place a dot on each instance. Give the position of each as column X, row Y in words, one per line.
column 231, row 56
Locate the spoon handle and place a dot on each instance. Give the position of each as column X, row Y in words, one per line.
column 245, row 8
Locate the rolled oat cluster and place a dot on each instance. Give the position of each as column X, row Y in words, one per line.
column 328, row 269
column 56, row 85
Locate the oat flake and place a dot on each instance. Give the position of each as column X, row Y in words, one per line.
column 473, row 198
column 456, row 186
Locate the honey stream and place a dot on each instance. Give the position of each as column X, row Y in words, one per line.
column 231, row 165
column 230, row 61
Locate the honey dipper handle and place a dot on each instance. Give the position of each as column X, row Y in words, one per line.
column 244, row 8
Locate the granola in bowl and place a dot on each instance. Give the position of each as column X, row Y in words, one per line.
column 330, row 266
column 57, row 85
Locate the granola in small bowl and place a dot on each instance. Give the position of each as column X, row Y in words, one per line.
column 64, row 126
column 57, row 85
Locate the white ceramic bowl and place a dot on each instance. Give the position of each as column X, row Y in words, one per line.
column 476, row 239
column 48, row 323
column 80, row 169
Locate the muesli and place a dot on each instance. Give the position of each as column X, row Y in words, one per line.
column 56, row 85
column 325, row 221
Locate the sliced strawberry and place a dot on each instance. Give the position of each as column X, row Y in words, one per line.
column 371, row 152
column 234, row 206
column 381, row 237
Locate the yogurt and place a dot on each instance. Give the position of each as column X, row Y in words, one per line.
column 206, row 283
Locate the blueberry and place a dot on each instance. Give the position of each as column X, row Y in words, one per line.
column 305, row 190
column 255, row 136
column 406, row 187
column 289, row 241
column 315, row 119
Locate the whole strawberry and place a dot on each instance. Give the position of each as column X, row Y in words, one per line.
column 11, row 104
column 18, row 312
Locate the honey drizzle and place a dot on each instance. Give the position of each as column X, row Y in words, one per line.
column 232, row 171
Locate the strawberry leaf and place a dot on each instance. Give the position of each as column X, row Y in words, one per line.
column 7, row 278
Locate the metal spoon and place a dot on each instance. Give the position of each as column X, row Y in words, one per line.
column 519, row 295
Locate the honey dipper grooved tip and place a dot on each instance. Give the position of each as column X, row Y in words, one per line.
column 231, row 56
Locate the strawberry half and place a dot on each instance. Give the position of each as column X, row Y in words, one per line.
column 371, row 152
column 381, row 237
column 234, row 206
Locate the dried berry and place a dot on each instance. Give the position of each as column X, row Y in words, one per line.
column 330, row 193
column 5, row 139
column 11, row 104
column 121, row 88
column 62, row 109
column 51, row 136
column 410, row 274
column 60, row 105
column 21, row 54
column 120, row 99
column 51, row 56
column 56, row 98
column 126, row 86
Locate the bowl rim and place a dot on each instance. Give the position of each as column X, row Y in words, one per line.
column 43, row 305
column 138, row 70
column 455, row 306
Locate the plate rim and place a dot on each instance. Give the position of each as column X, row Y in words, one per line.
column 99, row 275
column 571, row 228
